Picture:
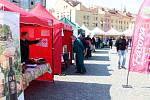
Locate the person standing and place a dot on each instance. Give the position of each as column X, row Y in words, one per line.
column 78, row 48
column 121, row 45
column 96, row 42
column 110, row 43
column 89, row 40
column 24, row 44
column 93, row 43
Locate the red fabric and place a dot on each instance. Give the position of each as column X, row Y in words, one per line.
column 41, row 12
column 38, row 51
column 67, row 40
column 57, row 50
column 25, row 17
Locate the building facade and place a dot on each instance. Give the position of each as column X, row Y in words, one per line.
column 92, row 17
column 28, row 4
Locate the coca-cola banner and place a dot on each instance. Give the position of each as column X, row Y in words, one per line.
column 11, row 87
column 140, row 52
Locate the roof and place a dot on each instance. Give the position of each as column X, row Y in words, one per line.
column 73, row 3
column 67, row 21
column 41, row 12
column 25, row 17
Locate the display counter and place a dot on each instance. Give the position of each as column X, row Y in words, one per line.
column 33, row 73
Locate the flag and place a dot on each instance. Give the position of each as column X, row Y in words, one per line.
column 140, row 55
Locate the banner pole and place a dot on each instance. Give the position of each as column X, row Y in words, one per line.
column 127, row 81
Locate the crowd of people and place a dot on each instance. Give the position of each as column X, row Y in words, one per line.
column 84, row 46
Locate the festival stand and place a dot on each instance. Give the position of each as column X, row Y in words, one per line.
column 42, row 49
column 10, row 56
column 67, row 40
column 58, row 26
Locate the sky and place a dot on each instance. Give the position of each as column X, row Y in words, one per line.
column 131, row 5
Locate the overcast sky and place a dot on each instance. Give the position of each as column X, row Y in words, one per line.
column 131, row 5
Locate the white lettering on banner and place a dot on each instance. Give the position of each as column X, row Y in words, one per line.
column 139, row 49
column 43, row 43
column 45, row 33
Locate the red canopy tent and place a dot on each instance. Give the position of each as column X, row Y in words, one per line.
column 41, row 12
column 32, row 25
column 25, row 17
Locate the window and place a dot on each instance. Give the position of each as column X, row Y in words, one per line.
column 96, row 24
column 15, row 1
column 88, row 17
column 84, row 17
column 111, row 21
column 58, row 17
column 87, row 23
column 68, row 16
column 121, row 22
column 102, row 25
column 112, row 26
column 96, row 18
column 116, row 21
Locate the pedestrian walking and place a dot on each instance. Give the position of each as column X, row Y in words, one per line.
column 93, row 44
column 78, row 48
column 89, row 50
column 121, row 46
column 96, row 43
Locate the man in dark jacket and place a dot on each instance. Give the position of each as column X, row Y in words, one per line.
column 78, row 48
column 25, row 43
column 121, row 46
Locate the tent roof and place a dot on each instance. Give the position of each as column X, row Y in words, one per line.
column 87, row 31
column 97, row 31
column 67, row 21
column 41, row 12
column 128, row 32
column 25, row 17
column 112, row 31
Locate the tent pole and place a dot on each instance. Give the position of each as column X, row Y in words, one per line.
column 53, row 53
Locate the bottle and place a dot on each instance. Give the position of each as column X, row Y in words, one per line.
column 12, row 82
column 2, row 83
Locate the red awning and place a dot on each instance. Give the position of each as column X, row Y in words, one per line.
column 41, row 12
column 25, row 17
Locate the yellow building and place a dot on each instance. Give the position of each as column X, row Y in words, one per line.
column 92, row 17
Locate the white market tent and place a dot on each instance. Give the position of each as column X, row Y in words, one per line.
column 128, row 32
column 97, row 31
column 87, row 31
column 113, row 32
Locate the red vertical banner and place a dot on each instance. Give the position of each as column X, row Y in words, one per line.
column 139, row 58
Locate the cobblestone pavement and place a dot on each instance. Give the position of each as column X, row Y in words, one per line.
column 103, row 81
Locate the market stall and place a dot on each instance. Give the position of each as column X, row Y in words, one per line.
column 87, row 31
column 15, row 76
column 97, row 31
column 41, row 12
column 67, row 42
column 75, row 27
